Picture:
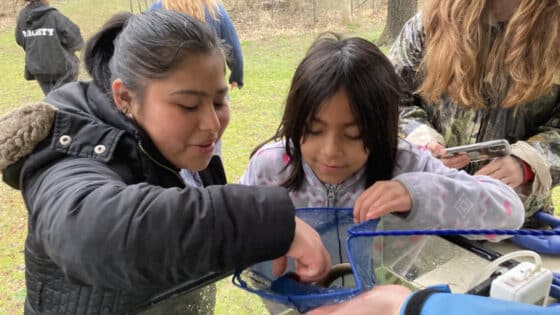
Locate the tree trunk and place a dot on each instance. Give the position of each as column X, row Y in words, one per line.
column 315, row 18
column 398, row 12
column 346, row 11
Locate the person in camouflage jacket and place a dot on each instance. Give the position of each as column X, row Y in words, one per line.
column 533, row 127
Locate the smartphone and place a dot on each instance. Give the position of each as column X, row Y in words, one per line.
column 481, row 151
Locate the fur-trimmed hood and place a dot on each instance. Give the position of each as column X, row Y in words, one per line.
column 76, row 120
column 22, row 129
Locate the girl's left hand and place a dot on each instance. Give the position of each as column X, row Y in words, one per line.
column 381, row 198
column 507, row 169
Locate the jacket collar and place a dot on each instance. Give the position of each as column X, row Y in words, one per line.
column 356, row 179
column 94, row 124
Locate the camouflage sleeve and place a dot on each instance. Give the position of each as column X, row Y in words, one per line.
column 406, row 55
column 547, row 143
column 407, row 51
column 542, row 153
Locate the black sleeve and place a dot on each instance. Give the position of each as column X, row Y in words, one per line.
column 20, row 39
column 69, row 33
column 102, row 232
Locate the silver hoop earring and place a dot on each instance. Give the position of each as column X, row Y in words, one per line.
column 127, row 113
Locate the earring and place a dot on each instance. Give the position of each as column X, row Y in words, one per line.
column 127, row 113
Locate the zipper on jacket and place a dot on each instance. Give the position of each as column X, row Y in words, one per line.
column 331, row 194
column 158, row 163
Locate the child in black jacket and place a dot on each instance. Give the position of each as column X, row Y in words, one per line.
column 50, row 41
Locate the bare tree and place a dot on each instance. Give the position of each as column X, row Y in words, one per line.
column 9, row 8
column 347, row 11
column 315, row 18
column 398, row 12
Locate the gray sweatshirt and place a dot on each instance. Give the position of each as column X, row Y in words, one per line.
column 442, row 197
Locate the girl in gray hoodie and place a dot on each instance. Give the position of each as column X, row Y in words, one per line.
column 338, row 146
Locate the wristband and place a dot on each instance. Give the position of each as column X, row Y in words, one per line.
column 528, row 174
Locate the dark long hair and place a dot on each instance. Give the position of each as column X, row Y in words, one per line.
column 147, row 46
column 362, row 70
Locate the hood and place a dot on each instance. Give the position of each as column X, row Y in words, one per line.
column 36, row 13
column 76, row 108
column 72, row 121
column 23, row 129
column 20, row 132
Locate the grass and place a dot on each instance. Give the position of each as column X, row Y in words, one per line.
column 255, row 110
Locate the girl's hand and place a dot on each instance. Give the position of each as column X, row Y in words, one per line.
column 381, row 198
column 458, row 161
column 312, row 258
column 507, row 169
column 436, row 148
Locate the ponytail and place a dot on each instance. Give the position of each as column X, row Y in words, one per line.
column 147, row 46
column 100, row 48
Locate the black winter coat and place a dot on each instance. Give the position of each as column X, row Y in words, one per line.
column 111, row 223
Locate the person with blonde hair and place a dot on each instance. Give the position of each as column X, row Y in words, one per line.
column 213, row 13
column 483, row 70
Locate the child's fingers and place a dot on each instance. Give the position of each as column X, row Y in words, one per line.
column 382, row 208
column 364, row 213
column 374, row 209
column 391, row 200
column 369, row 201
column 366, row 198
column 436, row 148
column 360, row 202
column 373, row 198
column 457, row 162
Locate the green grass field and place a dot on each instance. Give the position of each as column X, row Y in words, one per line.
column 255, row 110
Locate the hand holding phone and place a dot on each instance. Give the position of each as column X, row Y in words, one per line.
column 457, row 161
column 480, row 151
